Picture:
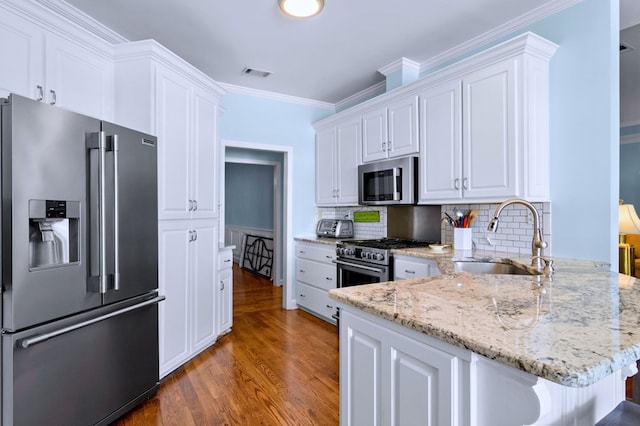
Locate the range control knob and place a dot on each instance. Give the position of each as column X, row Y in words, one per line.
column 379, row 256
column 339, row 251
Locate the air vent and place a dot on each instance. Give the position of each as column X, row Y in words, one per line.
column 256, row 72
column 624, row 47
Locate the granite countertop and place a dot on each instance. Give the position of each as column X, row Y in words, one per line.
column 321, row 240
column 575, row 329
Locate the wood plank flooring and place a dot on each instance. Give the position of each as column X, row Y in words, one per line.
column 276, row 367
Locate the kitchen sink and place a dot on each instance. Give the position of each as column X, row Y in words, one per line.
column 485, row 267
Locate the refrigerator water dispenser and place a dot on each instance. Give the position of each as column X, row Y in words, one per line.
column 53, row 233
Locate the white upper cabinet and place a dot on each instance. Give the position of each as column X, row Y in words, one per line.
column 489, row 132
column 391, row 130
column 158, row 93
column 441, row 142
column 41, row 65
column 173, row 128
column 204, row 159
column 21, row 47
column 337, row 158
column 484, row 131
column 78, row 78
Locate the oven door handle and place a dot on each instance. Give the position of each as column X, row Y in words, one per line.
column 357, row 265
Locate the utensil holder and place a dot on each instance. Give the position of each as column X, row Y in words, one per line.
column 462, row 239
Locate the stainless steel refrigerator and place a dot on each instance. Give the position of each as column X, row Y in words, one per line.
column 79, row 252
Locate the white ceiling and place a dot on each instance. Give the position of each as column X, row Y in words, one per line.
column 326, row 58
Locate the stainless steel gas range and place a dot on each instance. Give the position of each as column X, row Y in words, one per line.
column 370, row 261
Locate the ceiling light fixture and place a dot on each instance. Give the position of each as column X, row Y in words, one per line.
column 301, row 8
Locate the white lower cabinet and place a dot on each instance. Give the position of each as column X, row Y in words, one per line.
column 315, row 276
column 187, row 318
column 225, row 290
column 394, row 375
column 391, row 379
column 405, row 267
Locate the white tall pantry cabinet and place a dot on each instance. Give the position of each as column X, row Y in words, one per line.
column 161, row 94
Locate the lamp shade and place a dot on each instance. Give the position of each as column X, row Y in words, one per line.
column 301, row 8
column 628, row 220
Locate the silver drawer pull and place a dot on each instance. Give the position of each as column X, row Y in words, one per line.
column 409, row 272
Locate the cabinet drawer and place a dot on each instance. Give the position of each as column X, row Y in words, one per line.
column 404, row 268
column 225, row 259
column 315, row 273
column 318, row 252
column 315, row 300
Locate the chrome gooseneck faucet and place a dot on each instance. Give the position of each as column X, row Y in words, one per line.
column 537, row 244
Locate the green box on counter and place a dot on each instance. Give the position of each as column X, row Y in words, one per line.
column 368, row 216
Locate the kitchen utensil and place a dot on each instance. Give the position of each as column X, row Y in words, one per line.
column 473, row 215
column 450, row 219
column 459, row 215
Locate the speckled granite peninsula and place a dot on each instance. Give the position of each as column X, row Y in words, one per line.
column 575, row 329
column 489, row 349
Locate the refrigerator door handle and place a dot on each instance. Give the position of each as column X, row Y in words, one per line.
column 116, row 222
column 34, row 340
column 98, row 283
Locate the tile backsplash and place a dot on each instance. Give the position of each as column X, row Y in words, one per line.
column 514, row 235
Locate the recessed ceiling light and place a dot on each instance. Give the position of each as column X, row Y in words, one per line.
column 301, row 8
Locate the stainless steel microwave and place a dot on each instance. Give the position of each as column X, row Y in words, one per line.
column 388, row 182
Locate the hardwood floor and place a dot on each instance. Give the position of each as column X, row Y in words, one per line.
column 276, row 367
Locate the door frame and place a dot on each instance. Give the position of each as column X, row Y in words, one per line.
column 282, row 237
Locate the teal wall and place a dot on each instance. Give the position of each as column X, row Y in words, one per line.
column 249, row 195
column 584, row 129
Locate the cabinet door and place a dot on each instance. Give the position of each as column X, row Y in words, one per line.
column 22, row 50
column 225, row 300
column 374, row 135
column 202, row 282
column 489, row 149
column 78, row 79
column 361, row 368
column 423, row 387
column 203, row 155
column 172, row 126
column 348, row 148
column 403, row 127
column 441, row 143
column 173, row 263
column 325, row 166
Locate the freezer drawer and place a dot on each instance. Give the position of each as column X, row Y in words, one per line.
column 86, row 375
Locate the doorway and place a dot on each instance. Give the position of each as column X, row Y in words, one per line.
column 279, row 158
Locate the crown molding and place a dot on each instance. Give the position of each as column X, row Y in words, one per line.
column 361, row 96
column 82, row 20
column 506, row 29
column 241, row 90
column 399, row 65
